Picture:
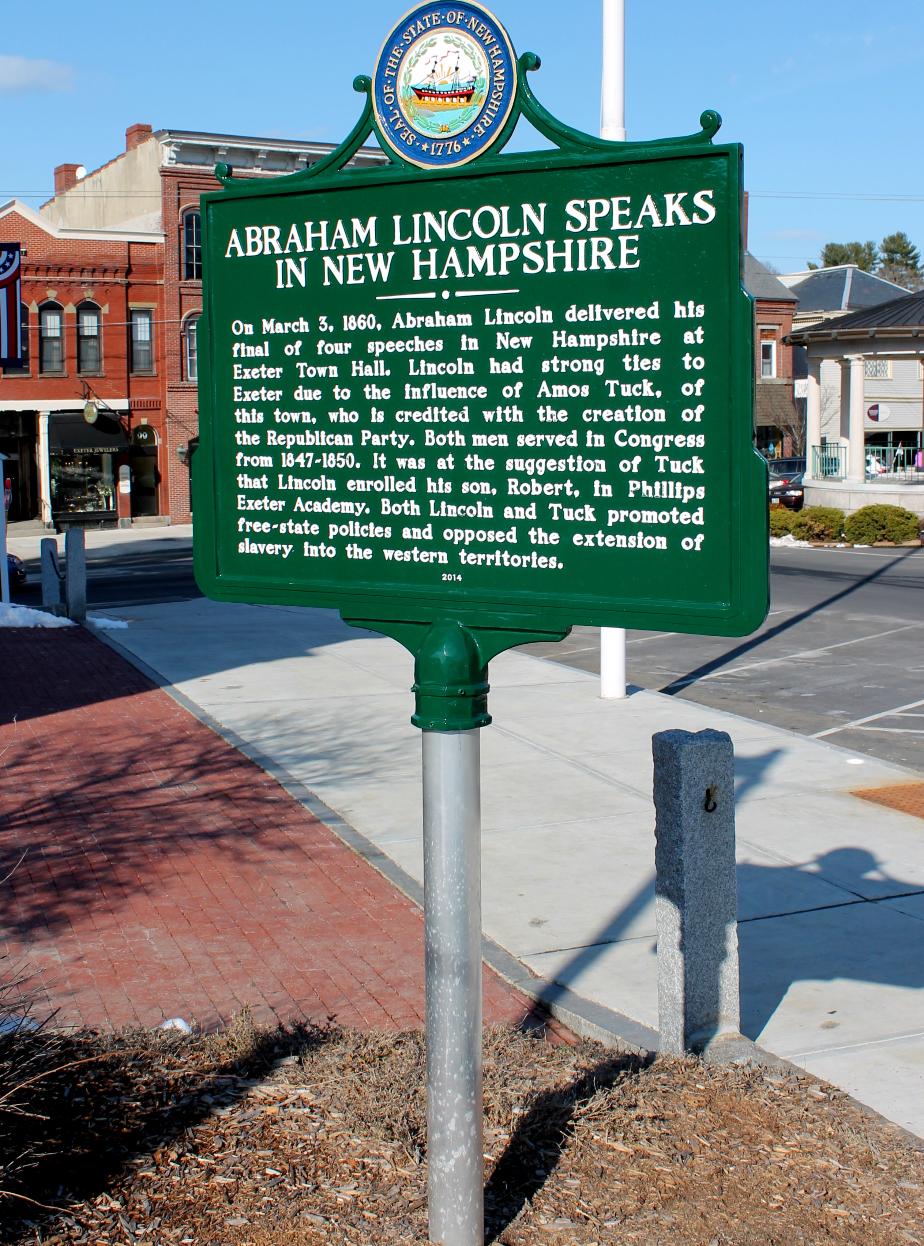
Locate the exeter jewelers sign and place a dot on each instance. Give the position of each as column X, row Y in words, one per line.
column 513, row 389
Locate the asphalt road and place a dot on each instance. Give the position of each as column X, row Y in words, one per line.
column 841, row 655
column 125, row 578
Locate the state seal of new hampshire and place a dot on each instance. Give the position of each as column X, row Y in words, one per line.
column 444, row 84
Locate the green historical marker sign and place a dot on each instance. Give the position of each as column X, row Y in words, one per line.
column 471, row 399
column 512, row 391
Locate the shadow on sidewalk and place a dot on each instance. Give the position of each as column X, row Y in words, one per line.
column 111, row 791
column 784, row 942
column 48, row 670
column 850, row 941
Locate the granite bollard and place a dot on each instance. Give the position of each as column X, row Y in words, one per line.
column 75, row 577
column 696, row 893
column 52, row 577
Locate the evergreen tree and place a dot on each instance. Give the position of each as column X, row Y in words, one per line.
column 900, row 261
column 896, row 259
column 864, row 254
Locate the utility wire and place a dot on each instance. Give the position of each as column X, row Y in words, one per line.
column 755, row 194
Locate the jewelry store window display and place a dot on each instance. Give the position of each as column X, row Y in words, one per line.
column 84, row 467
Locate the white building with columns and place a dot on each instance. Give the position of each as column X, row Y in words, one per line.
column 849, row 462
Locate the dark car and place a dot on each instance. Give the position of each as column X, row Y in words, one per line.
column 784, row 469
column 16, row 571
column 788, row 493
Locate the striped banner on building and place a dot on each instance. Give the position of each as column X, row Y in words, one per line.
column 10, row 302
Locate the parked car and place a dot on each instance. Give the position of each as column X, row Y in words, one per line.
column 788, row 493
column 785, row 469
column 16, row 570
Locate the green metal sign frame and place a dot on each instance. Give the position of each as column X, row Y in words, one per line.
column 664, row 528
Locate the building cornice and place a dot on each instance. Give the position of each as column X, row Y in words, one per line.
column 70, row 233
column 190, row 149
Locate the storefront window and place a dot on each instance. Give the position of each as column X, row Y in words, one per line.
column 81, row 482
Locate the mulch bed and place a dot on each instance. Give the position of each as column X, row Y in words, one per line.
column 317, row 1138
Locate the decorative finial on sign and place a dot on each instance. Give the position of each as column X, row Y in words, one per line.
column 711, row 123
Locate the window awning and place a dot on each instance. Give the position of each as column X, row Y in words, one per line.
column 68, row 431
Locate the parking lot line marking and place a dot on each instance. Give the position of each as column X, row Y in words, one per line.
column 859, row 722
column 641, row 640
column 804, row 653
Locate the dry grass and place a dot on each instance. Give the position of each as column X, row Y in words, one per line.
column 257, row 1138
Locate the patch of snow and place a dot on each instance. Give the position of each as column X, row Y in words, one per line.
column 104, row 624
column 25, row 616
column 790, row 542
column 176, row 1023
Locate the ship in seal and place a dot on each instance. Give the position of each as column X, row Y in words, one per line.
column 443, row 88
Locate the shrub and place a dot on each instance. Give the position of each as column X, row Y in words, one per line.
column 781, row 520
column 818, row 523
column 882, row 523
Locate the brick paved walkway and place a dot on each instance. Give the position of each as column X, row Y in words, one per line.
column 163, row 874
column 905, row 797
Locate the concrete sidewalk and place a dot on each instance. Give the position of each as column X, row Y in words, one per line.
column 831, row 887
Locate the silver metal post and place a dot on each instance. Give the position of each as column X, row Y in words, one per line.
column 452, row 906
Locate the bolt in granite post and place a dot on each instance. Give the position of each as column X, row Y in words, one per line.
column 452, row 699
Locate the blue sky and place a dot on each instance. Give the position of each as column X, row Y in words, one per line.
column 825, row 97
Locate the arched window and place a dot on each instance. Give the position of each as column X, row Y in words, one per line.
column 192, row 246
column 190, row 348
column 89, row 339
column 51, row 338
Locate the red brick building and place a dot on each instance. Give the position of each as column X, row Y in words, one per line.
column 112, row 288
column 778, row 428
column 82, row 291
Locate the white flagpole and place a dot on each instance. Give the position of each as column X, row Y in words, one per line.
column 613, row 126
column 613, row 83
